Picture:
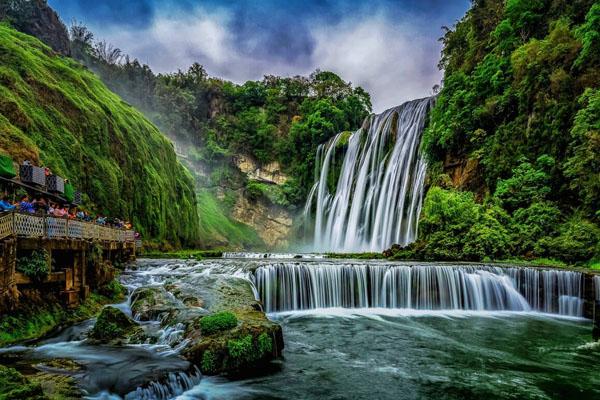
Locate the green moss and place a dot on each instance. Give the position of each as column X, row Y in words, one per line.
column 218, row 322
column 241, row 351
column 113, row 290
column 59, row 114
column 38, row 317
column 112, row 324
column 14, row 386
column 265, row 344
column 209, row 362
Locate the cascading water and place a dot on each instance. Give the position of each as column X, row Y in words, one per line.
column 379, row 191
column 301, row 286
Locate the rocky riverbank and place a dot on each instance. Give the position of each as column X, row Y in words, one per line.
column 224, row 329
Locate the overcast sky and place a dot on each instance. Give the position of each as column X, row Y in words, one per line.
column 388, row 47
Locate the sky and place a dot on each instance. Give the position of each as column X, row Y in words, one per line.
column 389, row 47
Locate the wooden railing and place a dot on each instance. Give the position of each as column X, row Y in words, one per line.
column 38, row 226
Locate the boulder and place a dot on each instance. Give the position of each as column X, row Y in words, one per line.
column 114, row 327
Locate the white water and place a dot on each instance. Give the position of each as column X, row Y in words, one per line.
column 304, row 286
column 379, row 191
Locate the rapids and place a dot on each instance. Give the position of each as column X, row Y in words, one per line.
column 360, row 329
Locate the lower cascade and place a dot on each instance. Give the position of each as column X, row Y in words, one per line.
column 301, row 286
column 376, row 199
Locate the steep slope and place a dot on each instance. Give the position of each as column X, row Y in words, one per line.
column 513, row 140
column 57, row 113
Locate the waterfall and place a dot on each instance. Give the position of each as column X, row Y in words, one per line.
column 597, row 286
column 286, row 286
column 378, row 195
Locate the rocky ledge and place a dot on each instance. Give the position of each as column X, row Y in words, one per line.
column 224, row 330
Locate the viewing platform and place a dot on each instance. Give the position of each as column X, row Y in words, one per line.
column 80, row 254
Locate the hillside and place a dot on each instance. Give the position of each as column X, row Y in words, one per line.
column 57, row 113
column 513, row 140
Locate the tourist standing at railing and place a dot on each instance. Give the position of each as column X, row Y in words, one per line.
column 25, row 206
column 5, row 205
column 40, row 205
column 60, row 211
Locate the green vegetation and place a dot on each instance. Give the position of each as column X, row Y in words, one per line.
column 14, row 386
column 35, row 266
column 113, row 324
column 209, row 362
column 37, row 317
column 520, row 101
column 217, row 229
column 218, row 322
column 55, row 112
column 183, row 254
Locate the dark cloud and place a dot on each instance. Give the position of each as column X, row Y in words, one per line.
column 389, row 47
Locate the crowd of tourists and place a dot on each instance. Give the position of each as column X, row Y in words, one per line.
column 42, row 206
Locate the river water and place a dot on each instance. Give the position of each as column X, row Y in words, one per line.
column 358, row 353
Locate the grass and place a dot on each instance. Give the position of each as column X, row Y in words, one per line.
column 217, row 230
column 56, row 113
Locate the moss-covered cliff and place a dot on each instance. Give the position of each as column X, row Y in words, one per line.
column 55, row 112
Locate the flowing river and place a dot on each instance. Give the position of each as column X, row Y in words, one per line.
column 361, row 330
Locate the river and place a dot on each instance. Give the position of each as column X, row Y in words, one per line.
column 508, row 349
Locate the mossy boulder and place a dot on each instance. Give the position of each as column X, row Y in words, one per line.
column 14, row 386
column 113, row 326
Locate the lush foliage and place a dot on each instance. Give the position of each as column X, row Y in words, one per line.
column 520, row 101
column 218, row 322
column 55, row 112
column 35, row 266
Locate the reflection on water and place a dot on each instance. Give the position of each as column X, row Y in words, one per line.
column 344, row 354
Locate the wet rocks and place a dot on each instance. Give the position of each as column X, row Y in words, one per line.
column 114, row 327
column 15, row 386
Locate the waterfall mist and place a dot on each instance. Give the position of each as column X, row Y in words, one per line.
column 376, row 199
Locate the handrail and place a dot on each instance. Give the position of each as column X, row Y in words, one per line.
column 43, row 226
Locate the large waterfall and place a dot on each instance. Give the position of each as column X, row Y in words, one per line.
column 288, row 286
column 378, row 193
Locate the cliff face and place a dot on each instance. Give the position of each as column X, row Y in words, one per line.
column 512, row 141
column 57, row 113
column 36, row 18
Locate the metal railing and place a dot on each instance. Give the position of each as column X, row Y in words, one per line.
column 38, row 226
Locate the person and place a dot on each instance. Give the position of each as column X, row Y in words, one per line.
column 25, row 206
column 59, row 211
column 40, row 205
column 5, row 205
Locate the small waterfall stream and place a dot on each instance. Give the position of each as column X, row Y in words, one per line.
column 377, row 197
column 287, row 286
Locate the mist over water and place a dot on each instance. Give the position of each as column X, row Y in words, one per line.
column 378, row 194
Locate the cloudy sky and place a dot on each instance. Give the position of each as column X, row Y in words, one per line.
column 389, row 47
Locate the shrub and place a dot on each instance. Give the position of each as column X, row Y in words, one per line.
column 35, row 267
column 218, row 322
column 578, row 239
